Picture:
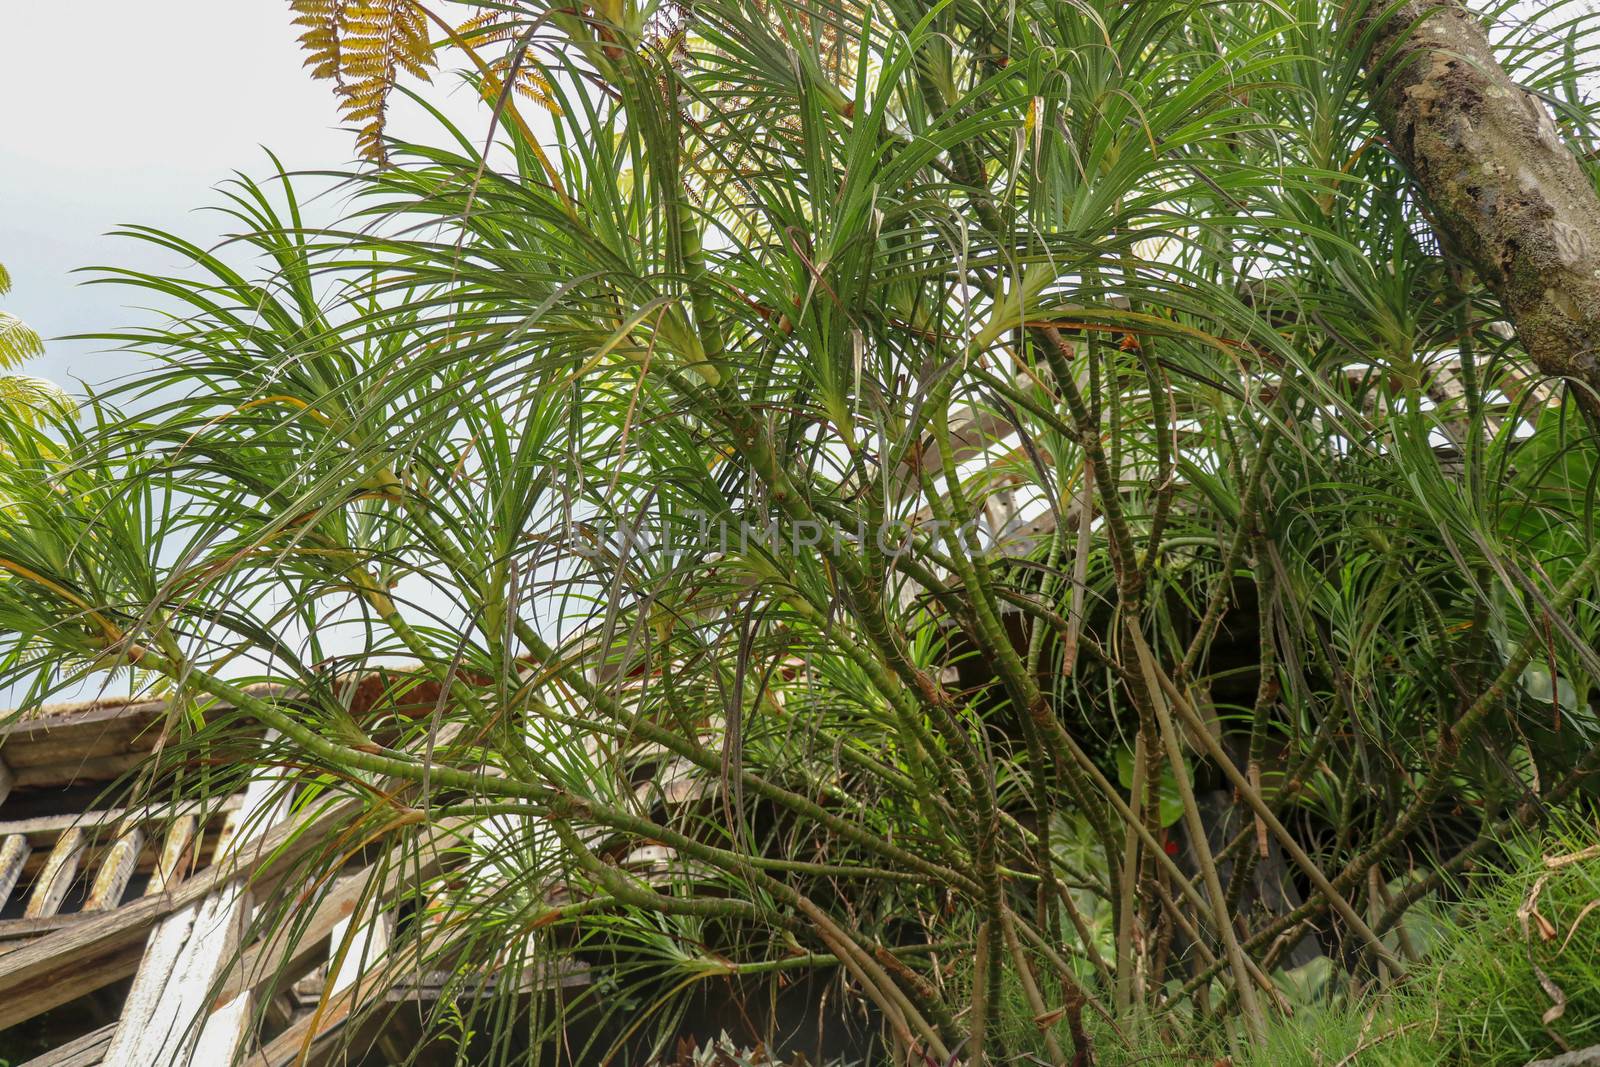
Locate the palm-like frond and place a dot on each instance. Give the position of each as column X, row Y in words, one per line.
column 29, row 399
column 799, row 488
column 18, row 342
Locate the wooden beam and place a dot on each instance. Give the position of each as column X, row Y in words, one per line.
column 66, row 982
column 87, row 1051
column 676, row 783
column 52, row 718
column 94, row 952
column 224, row 1032
column 73, row 772
column 288, row 952
column 178, row 855
column 363, row 942
column 249, row 818
column 970, row 433
column 46, row 828
column 168, row 997
column 50, row 889
column 305, row 1032
column 14, row 852
column 115, row 870
column 165, row 1021
column 28, row 929
column 398, row 979
column 400, row 976
column 543, row 976
column 335, row 1009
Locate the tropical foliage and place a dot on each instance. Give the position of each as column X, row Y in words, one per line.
column 17, row 341
column 22, row 397
column 971, row 492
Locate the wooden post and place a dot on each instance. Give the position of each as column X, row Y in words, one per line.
column 165, row 1021
column 176, row 854
column 56, row 878
column 368, row 941
column 115, row 870
column 14, row 852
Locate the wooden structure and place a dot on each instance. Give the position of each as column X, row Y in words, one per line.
column 125, row 936
column 118, row 924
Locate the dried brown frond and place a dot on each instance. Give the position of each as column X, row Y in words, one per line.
column 362, row 46
column 530, row 84
column 487, row 27
column 493, row 27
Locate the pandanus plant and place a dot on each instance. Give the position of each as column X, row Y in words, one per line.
column 1089, row 525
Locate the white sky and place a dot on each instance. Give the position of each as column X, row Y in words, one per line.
column 119, row 111
column 131, row 111
column 116, row 111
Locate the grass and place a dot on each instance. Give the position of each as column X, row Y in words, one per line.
column 1476, row 1000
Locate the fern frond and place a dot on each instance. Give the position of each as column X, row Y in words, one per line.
column 362, row 46
column 18, row 341
column 29, row 400
column 5, row 279
column 529, row 84
column 324, row 22
column 535, row 88
column 487, row 27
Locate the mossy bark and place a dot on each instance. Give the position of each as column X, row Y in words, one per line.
column 1505, row 192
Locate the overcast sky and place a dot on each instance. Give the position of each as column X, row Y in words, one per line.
column 135, row 119
column 119, row 111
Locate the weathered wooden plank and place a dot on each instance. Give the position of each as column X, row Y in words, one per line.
column 400, row 977
column 42, row 832
column 68, row 716
column 56, row 718
column 94, row 953
column 85, row 742
column 249, row 818
column 77, row 743
column 224, row 1032
column 168, row 996
column 287, row 956
column 178, row 855
column 68, row 772
column 648, row 857
column 63, row 983
column 333, row 1012
column 970, row 433
column 165, row 1020
column 543, row 976
column 115, row 869
column 306, row 1032
column 46, row 828
column 86, row 1051
column 355, row 946
column 289, row 952
column 50, row 889
column 27, row 929
column 678, row 782
column 14, row 852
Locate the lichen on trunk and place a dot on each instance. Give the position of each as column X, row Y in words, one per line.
column 1504, row 190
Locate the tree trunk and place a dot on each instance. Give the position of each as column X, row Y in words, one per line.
column 1505, row 192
